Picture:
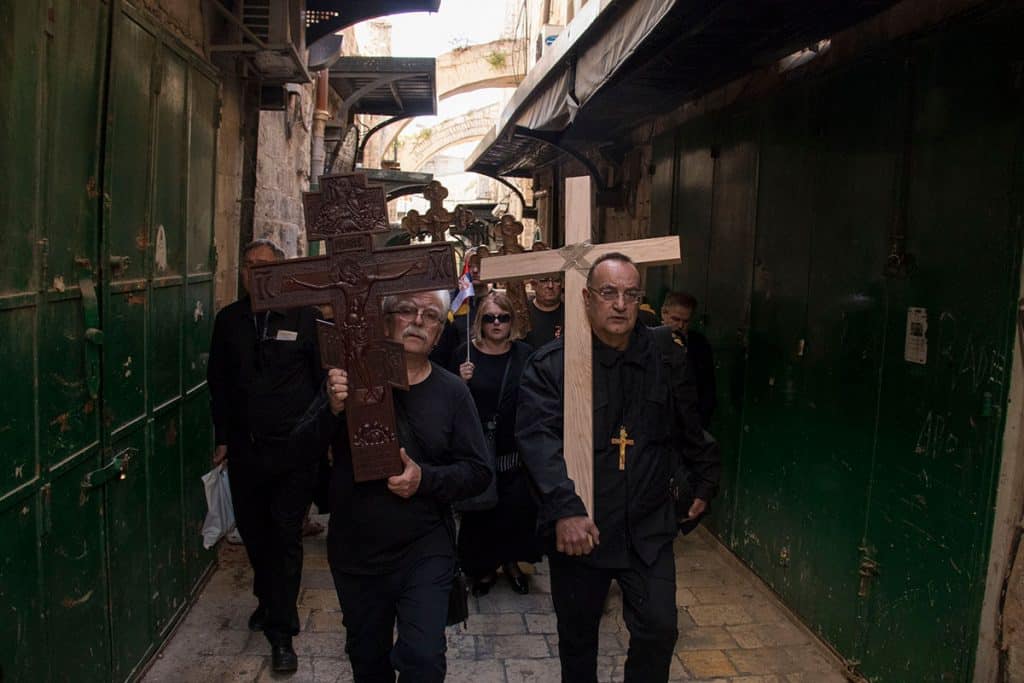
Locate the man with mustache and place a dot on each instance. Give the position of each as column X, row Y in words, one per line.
column 391, row 543
column 637, row 437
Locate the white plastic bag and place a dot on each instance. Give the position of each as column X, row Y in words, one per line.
column 220, row 515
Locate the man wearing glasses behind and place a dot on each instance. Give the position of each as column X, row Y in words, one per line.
column 547, row 314
column 637, row 437
column 264, row 369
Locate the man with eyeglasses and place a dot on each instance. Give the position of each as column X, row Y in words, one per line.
column 390, row 543
column 263, row 371
column 638, row 437
column 547, row 313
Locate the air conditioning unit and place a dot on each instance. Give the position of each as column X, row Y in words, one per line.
column 271, row 35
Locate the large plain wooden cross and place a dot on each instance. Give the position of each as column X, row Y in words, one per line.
column 574, row 261
column 353, row 278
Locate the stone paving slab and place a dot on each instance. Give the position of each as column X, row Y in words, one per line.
column 731, row 630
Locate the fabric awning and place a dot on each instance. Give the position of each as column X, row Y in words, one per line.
column 621, row 62
column 555, row 107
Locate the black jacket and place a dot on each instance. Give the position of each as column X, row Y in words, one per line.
column 645, row 402
column 264, row 370
column 509, row 399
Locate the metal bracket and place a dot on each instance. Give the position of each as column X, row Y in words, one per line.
column 868, row 570
column 93, row 333
column 117, row 468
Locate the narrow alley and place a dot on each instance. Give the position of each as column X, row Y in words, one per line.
column 730, row 629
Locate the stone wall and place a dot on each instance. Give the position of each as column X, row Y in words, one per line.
column 282, row 173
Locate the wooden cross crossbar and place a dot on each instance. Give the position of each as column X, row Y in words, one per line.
column 574, row 261
column 353, row 278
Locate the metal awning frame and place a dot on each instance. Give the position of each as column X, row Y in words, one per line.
column 354, row 11
column 251, row 49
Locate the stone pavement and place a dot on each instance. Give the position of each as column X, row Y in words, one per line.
column 731, row 629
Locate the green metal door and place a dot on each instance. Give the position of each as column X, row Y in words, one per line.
column 767, row 525
column 941, row 421
column 725, row 311
column 861, row 464
column 105, row 288
column 853, row 153
column 134, row 82
column 22, row 628
column 53, row 586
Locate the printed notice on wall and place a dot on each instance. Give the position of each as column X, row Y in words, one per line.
column 915, row 349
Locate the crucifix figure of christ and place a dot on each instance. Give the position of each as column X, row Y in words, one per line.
column 352, row 278
column 574, row 261
column 623, row 441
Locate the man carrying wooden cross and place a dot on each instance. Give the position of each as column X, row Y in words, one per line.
column 583, row 399
column 637, row 436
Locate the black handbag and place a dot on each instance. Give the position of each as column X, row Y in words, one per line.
column 489, row 498
column 458, row 597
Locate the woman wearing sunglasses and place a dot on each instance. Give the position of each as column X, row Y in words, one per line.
column 503, row 535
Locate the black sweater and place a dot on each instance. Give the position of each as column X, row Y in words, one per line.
column 372, row 531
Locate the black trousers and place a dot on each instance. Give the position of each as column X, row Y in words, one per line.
column 270, row 492
column 579, row 590
column 416, row 595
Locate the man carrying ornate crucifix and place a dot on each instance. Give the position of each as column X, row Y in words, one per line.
column 638, row 436
column 391, row 536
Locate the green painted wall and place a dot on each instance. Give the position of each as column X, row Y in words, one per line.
column 108, row 131
column 840, row 454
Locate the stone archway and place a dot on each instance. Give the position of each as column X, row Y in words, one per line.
column 474, row 124
column 498, row 64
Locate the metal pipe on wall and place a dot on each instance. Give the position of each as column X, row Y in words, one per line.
column 321, row 115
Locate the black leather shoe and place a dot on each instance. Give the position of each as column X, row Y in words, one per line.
column 516, row 578
column 483, row 585
column 258, row 619
column 282, row 658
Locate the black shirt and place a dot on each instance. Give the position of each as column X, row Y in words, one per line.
column 486, row 383
column 620, row 375
column 372, row 531
column 264, row 369
column 632, row 507
column 544, row 325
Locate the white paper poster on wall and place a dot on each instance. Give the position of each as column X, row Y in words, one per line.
column 915, row 348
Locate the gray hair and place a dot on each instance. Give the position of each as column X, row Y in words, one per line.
column 390, row 301
column 263, row 242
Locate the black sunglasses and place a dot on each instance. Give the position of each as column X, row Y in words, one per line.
column 490, row 318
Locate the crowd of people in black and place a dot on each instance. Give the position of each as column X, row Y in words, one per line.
column 481, row 434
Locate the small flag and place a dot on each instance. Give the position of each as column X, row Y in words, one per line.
column 465, row 289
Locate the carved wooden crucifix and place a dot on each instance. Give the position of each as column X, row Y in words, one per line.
column 437, row 219
column 353, row 278
column 574, row 260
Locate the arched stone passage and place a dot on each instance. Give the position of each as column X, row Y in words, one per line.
column 474, row 124
column 498, row 64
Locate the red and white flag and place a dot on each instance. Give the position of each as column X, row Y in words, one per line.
column 465, row 289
